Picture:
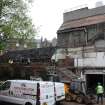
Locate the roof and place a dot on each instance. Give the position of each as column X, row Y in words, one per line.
column 82, row 22
column 29, row 81
column 82, row 17
column 37, row 54
column 83, row 13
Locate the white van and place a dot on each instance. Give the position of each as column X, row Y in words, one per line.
column 26, row 92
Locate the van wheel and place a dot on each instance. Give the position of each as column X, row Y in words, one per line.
column 79, row 99
column 28, row 103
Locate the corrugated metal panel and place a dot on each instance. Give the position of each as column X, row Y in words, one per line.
column 83, row 22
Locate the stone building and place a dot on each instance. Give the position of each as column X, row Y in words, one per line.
column 82, row 34
column 19, row 44
column 21, row 64
column 81, row 26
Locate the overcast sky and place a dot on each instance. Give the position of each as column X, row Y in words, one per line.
column 48, row 14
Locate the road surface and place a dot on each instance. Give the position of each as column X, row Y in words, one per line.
column 64, row 103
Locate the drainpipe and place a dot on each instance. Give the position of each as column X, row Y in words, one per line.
column 85, row 30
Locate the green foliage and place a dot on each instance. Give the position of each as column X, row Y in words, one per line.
column 15, row 22
column 2, row 45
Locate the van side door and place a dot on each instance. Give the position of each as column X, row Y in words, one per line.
column 47, row 93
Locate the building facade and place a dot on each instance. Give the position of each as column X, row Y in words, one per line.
column 83, row 35
column 81, row 26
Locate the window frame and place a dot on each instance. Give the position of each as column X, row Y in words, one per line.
column 6, row 85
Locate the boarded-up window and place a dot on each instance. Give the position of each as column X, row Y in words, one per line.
column 92, row 30
column 77, row 38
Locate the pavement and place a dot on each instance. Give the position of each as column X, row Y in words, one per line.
column 73, row 103
column 66, row 103
column 63, row 103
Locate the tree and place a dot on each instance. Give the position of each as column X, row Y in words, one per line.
column 15, row 22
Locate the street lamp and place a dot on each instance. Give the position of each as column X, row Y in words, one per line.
column 17, row 44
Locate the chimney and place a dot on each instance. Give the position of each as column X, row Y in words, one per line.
column 99, row 4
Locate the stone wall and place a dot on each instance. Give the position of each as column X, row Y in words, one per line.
column 83, row 12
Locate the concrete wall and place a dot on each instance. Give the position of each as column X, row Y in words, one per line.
column 73, row 15
column 61, row 53
column 96, row 59
column 100, row 43
column 82, row 13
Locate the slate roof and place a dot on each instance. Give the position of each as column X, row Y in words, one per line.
column 82, row 17
column 37, row 54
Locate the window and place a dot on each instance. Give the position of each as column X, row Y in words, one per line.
column 92, row 30
column 6, row 85
column 78, row 38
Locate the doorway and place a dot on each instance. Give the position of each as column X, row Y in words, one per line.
column 92, row 80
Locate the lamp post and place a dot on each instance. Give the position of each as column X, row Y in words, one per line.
column 17, row 44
